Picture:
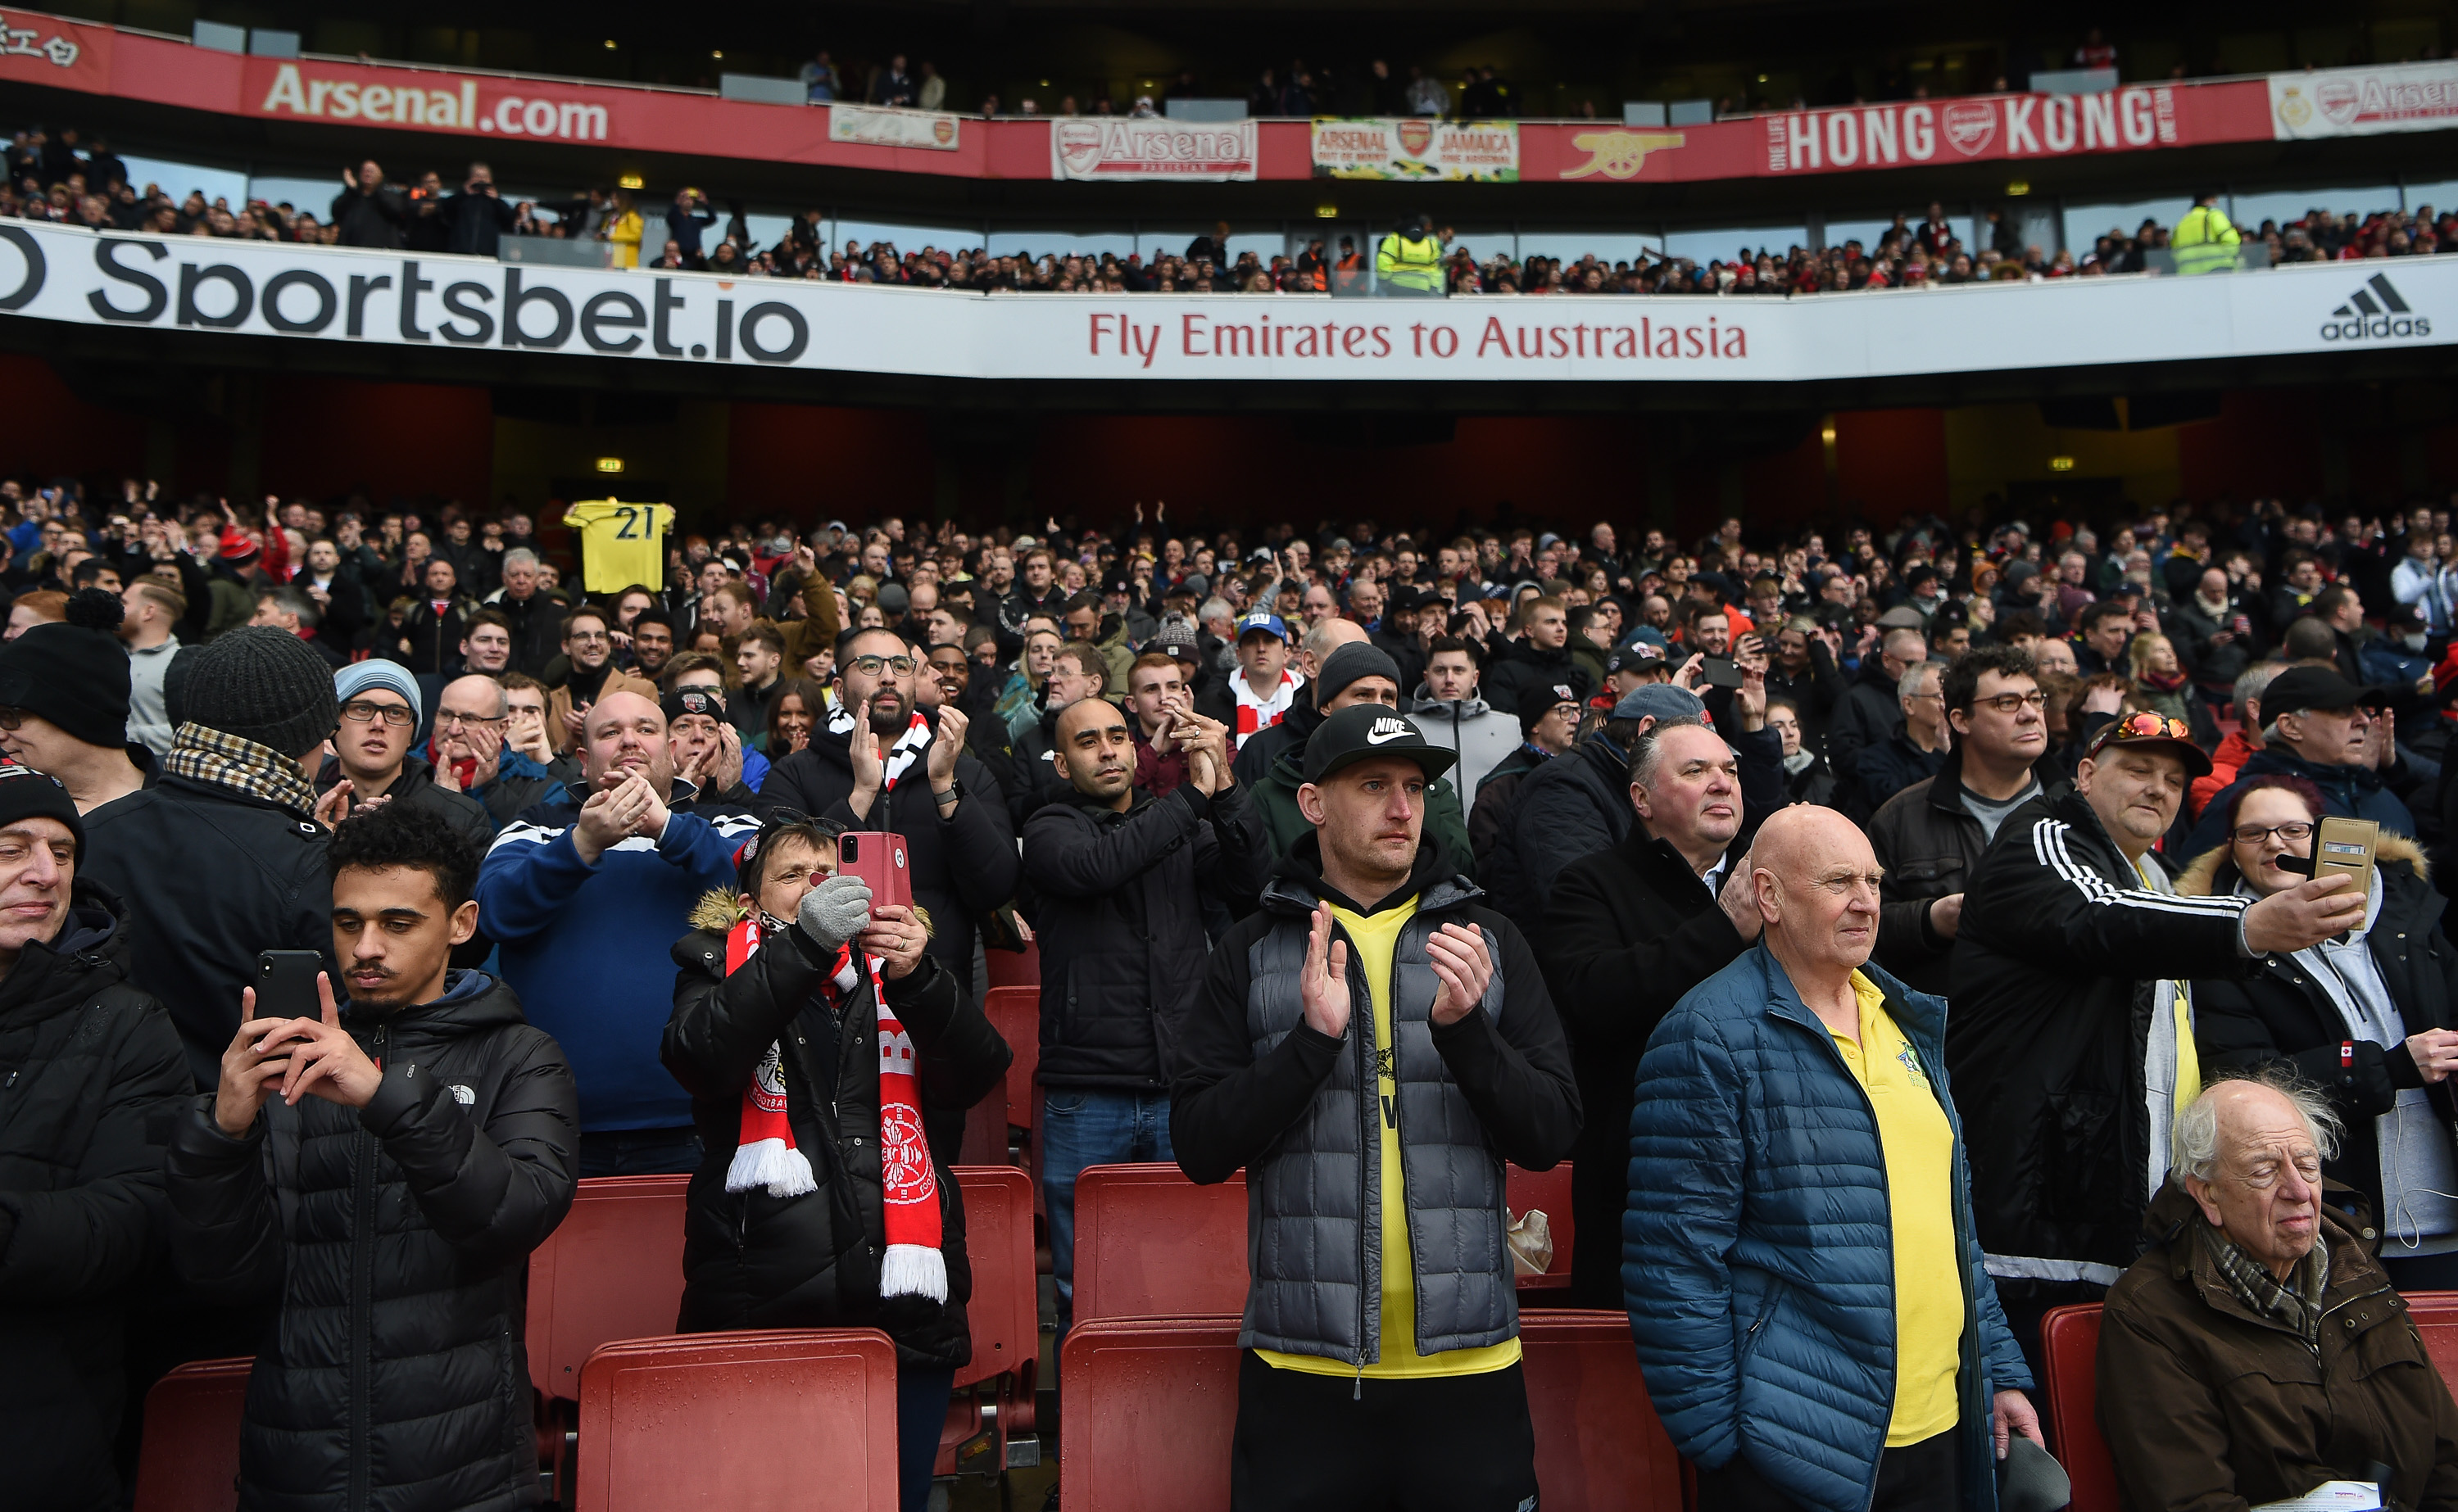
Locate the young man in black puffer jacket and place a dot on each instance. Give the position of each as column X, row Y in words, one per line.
column 385, row 1173
column 815, row 1198
column 95, row 1076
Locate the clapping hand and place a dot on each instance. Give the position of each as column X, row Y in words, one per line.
column 1323, row 984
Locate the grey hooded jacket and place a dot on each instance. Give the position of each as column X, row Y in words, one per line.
column 1258, row 1088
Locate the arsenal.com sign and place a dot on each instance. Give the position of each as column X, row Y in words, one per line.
column 197, row 287
column 1120, row 148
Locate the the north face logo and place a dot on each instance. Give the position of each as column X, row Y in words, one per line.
column 2375, row 312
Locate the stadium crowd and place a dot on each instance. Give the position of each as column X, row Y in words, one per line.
column 58, row 176
column 364, row 885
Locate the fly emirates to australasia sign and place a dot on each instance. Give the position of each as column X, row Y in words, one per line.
column 203, row 288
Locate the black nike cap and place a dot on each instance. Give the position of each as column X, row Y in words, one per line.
column 1365, row 730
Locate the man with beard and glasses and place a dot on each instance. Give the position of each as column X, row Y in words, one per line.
column 589, row 647
column 583, row 890
column 381, row 1173
column 883, row 763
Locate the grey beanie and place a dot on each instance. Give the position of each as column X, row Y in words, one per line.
column 1660, row 700
column 263, row 685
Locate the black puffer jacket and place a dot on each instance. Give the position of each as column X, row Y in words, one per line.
column 192, row 946
column 751, row 1260
column 1931, row 846
column 1118, row 908
column 2055, row 965
column 1629, row 930
column 2282, row 1014
column 94, row 1077
column 397, row 1238
column 964, row 865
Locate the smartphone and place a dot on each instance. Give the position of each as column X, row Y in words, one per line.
column 285, row 984
column 1719, row 671
column 881, row 860
column 2343, row 847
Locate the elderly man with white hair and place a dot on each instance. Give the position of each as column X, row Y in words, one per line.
column 2256, row 1351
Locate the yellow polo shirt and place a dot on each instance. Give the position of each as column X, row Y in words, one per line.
column 1373, row 936
column 2189, row 1056
column 1919, row 1150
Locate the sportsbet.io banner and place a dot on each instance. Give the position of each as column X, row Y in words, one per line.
column 207, row 287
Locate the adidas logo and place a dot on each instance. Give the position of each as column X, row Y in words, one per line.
column 2375, row 312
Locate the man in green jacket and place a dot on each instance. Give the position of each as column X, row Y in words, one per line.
column 1355, row 673
column 2205, row 241
column 1409, row 262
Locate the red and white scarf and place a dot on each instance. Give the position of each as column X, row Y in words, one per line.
column 765, row 1154
column 1258, row 715
column 897, row 758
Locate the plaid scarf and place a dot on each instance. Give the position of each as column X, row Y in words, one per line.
column 243, row 766
column 2296, row 1301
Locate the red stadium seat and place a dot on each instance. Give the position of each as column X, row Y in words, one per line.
column 1016, row 1012
column 2435, row 1314
column 1550, row 1192
column 758, row 1422
column 2070, row 1341
column 994, row 1392
column 1013, row 968
column 190, row 1459
column 1150, row 1243
column 1150, row 1406
column 613, row 1270
column 1598, row 1445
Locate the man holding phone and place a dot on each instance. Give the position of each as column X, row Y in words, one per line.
column 463, row 1116
column 1119, row 877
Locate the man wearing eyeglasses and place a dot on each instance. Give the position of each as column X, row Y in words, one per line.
column 381, row 712
column 1800, row 1212
column 589, row 645
column 473, row 755
column 2073, row 1039
column 1930, row 837
column 883, row 762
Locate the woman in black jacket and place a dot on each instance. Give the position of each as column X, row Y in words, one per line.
column 774, row 997
column 2368, row 1020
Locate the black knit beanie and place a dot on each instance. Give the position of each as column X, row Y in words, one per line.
column 263, row 685
column 1350, row 662
column 74, row 674
column 25, row 793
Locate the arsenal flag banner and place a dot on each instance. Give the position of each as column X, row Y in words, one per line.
column 1122, row 148
column 1417, row 147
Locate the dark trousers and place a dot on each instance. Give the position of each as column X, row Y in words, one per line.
column 1343, row 1443
column 639, row 1153
column 920, row 1412
column 1924, row 1477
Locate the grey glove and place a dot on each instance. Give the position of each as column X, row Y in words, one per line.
column 835, row 911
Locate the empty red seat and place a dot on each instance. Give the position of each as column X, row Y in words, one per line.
column 757, row 1421
column 2436, row 1320
column 1151, row 1404
column 2069, row 1343
column 1013, row 968
column 1150, row 1243
column 1016, row 1012
column 613, row 1270
column 1549, row 1191
column 1599, row 1447
column 189, row 1461
column 1005, row 1315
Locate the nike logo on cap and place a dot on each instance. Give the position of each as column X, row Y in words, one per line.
column 1388, row 730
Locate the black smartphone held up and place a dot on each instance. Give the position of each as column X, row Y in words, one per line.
column 1719, row 671
column 285, row 984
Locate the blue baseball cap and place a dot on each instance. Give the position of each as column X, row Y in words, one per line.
column 1262, row 620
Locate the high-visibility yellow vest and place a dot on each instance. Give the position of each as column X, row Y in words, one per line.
column 2205, row 241
column 1410, row 262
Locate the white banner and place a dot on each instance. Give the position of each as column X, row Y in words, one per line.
column 193, row 284
column 2364, row 102
column 1118, row 147
column 1418, row 148
column 880, row 125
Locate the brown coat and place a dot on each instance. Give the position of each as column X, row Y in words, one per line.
column 2209, row 1406
column 558, row 704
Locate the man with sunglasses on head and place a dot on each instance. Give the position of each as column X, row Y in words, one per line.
column 381, row 711
column 2072, row 1040
column 1930, row 837
column 884, row 762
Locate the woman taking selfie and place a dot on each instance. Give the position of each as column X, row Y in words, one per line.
column 815, row 1035
column 2367, row 1018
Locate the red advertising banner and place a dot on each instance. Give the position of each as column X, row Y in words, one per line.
column 1901, row 134
column 46, row 49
